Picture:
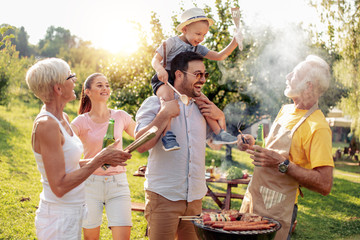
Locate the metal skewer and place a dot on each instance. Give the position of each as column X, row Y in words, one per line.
column 189, row 218
column 244, row 140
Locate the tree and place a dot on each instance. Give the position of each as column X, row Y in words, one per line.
column 342, row 37
column 56, row 38
column 83, row 60
column 130, row 76
column 21, row 43
column 20, row 40
column 5, row 34
column 4, row 75
column 12, row 69
column 248, row 85
column 228, row 82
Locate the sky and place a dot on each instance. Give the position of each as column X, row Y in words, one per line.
column 107, row 23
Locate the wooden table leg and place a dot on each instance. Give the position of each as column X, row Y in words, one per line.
column 227, row 201
column 215, row 198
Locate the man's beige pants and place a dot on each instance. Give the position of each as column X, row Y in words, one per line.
column 163, row 220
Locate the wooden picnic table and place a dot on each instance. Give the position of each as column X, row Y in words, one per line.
column 228, row 195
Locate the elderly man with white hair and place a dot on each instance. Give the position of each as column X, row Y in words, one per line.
column 298, row 150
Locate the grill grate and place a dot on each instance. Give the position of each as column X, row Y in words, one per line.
column 199, row 223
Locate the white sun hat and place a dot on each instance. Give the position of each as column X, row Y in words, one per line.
column 193, row 15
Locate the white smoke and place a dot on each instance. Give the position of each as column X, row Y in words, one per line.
column 274, row 53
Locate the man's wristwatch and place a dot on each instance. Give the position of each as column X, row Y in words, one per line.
column 283, row 167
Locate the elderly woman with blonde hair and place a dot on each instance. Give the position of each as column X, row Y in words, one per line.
column 58, row 151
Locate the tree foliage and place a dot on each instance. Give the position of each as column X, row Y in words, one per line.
column 12, row 69
column 56, row 38
column 58, row 42
column 5, row 34
column 4, row 75
column 343, row 37
column 83, row 60
column 248, row 85
column 19, row 38
column 227, row 84
column 130, row 75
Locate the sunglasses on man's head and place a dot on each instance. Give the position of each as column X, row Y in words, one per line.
column 71, row 76
column 199, row 75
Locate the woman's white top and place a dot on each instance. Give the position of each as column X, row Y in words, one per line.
column 73, row 150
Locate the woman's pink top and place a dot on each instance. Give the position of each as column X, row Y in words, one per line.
column 91, row 135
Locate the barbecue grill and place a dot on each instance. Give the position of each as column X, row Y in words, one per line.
column 205, row 232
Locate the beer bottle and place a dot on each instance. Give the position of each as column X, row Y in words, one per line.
column 108, row 139
column 212, row 168
column 260, row 141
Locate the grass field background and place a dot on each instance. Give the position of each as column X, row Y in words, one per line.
column 336, row 216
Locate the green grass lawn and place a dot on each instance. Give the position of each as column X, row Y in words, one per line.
column 336, row 216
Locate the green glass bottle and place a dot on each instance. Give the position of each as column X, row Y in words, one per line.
column 108, row 139
column 260, row 141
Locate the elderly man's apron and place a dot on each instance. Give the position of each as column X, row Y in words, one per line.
column 273, row 194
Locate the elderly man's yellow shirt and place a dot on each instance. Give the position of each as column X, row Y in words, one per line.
column 311, row 145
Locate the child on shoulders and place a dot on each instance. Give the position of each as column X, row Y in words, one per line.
column 194, row 26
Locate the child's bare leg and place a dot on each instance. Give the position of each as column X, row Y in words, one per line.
column 166, row 93
column 220, row 136
column 169, row 138
column 214, row 125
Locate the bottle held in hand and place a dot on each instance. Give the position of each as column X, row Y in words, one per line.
column 108, row 139
column 260, row 141
column 212, row 168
